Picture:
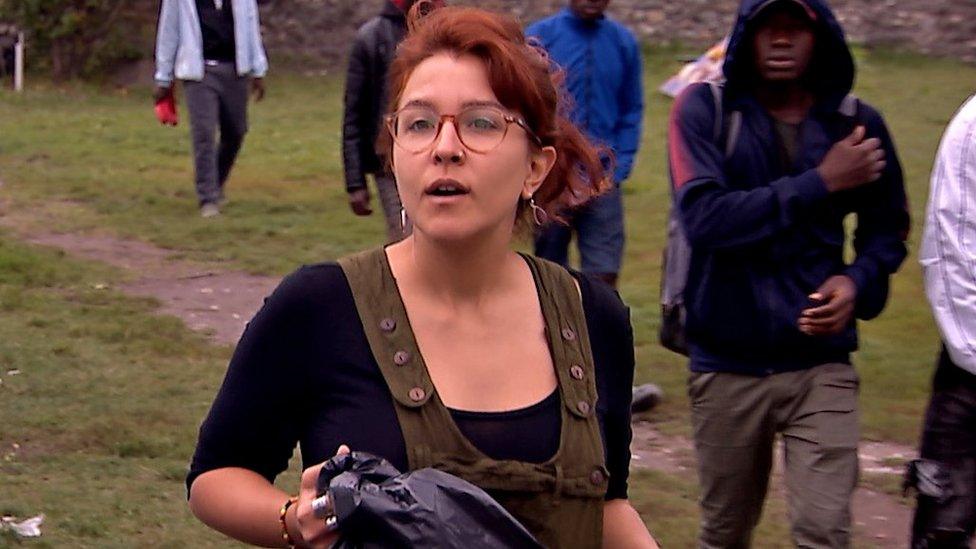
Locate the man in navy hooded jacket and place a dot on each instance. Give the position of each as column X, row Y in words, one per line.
column 771, row 303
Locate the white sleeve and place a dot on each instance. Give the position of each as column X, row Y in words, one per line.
column 259, row 58
column 167, row 42
column 948, row 253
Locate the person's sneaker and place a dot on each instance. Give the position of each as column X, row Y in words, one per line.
column 209, row 210
column 645, row 397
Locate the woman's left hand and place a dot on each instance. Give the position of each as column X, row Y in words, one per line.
column 312, row 530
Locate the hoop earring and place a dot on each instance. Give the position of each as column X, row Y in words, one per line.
column 403, row 219
column 538, row 214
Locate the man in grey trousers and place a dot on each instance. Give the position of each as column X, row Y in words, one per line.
column 215, row 48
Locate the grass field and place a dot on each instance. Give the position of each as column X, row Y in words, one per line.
column 108, row 398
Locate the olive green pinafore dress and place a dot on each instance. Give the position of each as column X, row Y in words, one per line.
column 561, row 500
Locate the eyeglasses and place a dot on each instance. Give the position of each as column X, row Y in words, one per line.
column 480, row 129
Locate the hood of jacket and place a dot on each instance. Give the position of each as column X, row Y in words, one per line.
column 831, row 72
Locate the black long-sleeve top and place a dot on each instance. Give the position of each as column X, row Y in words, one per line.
column 303, row 373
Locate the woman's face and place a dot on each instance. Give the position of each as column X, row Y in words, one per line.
column 451, row 192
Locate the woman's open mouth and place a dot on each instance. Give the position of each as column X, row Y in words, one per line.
column 446, row 188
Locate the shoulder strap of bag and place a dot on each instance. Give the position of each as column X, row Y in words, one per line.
column 850, row 106
column 734, row 121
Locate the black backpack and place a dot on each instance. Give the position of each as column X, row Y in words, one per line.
column 677, row 251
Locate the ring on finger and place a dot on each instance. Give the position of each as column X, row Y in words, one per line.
column 322, row 506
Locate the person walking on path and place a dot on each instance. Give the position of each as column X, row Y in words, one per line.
column 215, row 48
column 946, row 513
column 602, row 62
column 764, row 171
column 364, row 109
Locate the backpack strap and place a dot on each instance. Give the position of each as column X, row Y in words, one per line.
column 716, row 90
column 735, row 122
column 732, row 134
column 849, row 114
column 849, row 106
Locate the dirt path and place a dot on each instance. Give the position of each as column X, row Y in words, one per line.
column 212, row 299
column 207, row 297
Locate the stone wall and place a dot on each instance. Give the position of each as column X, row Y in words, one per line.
column 318, row 32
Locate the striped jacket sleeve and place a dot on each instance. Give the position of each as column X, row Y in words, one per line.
column 948, row 253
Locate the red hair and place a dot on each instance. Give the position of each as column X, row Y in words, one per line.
column 524, row 80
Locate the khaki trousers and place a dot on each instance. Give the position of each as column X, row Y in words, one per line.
column 735, row 420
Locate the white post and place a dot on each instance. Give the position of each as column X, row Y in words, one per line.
column 19, row 63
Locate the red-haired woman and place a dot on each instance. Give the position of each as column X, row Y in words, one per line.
column 447, row 349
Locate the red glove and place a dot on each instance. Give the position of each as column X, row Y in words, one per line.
column 166, row 110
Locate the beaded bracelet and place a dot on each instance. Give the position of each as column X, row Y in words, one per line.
column 284, row 524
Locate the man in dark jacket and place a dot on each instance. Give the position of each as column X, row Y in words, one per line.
column 764, row 173
column 365, row 106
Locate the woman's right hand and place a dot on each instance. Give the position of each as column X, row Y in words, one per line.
column 311, row 530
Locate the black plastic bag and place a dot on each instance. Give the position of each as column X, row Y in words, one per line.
column 377, row 506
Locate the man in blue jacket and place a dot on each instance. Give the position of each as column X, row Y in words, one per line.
column 602, row 62
column 214, row 47
column 764, row 172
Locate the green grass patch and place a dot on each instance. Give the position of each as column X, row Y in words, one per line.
column 108, row 399
column 669, row 505
column 100, row 402
column 888, row 484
